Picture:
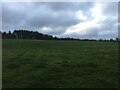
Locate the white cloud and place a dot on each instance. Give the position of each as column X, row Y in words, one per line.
column 80, row 20
column 80, row 15
column 83, row 27
column 98, row 23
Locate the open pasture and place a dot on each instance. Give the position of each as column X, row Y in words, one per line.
column 61, row 64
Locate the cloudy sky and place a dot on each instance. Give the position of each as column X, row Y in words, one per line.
column 93, row 20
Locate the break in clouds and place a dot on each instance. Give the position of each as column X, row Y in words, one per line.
column 63, row 19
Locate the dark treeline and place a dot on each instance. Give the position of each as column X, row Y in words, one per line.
column 25, row 34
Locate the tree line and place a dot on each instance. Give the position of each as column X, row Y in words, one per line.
column 25, row 34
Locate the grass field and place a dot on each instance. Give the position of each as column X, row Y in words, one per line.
column 66, row 64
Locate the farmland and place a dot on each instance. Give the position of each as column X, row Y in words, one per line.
column 60, row 64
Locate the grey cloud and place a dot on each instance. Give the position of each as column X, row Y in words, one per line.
column 48, row 18
column 13, row 15
column 108, row 34
column 109, row 24
column 29, row 15
column 110, row 9
column 61, row 6
column 58, row 17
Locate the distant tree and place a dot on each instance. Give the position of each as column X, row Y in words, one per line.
column 55, row 38
column 0, row 35
column 25, row 34
column 100, row 39
column 9, row 32
column 111, row 40
column 116, row 39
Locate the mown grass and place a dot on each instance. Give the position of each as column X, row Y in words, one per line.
column 61, row 64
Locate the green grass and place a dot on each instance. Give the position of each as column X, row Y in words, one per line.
column 61, row 64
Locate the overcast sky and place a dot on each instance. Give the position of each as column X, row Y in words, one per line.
column 63, row 19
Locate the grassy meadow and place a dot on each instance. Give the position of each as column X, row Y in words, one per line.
column 59, row 64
